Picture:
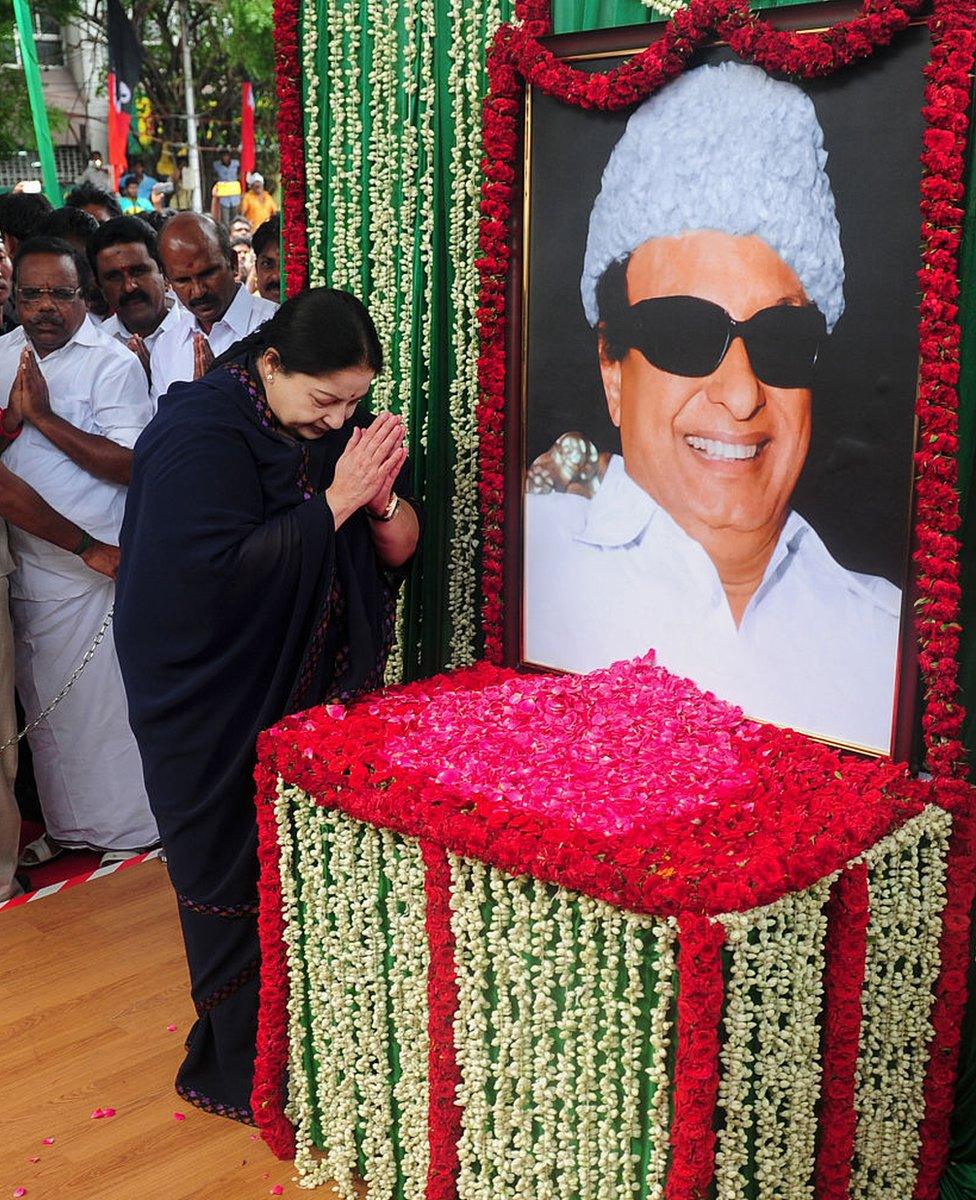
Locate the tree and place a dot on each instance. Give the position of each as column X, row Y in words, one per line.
column 16, row 127
column 231, row 41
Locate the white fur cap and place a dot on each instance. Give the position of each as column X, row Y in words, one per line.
column 725, row 148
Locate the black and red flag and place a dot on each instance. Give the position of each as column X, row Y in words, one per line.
column 124, row 66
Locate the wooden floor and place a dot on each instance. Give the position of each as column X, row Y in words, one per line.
column 89, row 980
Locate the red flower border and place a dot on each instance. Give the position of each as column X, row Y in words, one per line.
column 291, row 144
column 444, row 1077
column 950, row 1003
column 845, row 954
column 271, row 1058
column 701, row 992
column 518, row 57
column 805, row 811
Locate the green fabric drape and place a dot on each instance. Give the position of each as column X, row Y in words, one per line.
column 572, row 16
column 428, row 110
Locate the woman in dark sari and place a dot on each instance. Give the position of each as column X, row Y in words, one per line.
column 267, row 525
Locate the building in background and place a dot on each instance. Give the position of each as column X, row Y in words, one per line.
column 73, row 63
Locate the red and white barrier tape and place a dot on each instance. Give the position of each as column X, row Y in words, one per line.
column 98, row 873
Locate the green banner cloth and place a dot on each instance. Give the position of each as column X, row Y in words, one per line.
column 35, row 90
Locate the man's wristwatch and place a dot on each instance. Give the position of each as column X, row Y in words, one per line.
column 389, row 512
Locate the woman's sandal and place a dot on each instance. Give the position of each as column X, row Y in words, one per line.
column 40, row 851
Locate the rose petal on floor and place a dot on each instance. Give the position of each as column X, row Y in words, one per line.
column 179, row 1116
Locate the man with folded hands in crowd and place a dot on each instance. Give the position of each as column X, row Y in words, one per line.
column 75, row 401
column 713, row 274
column 124, row 257
column 217, row 311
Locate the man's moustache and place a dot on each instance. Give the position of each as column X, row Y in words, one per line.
column 207, row 301
column 134, row 298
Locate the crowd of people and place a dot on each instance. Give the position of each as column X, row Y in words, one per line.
column 105, row 303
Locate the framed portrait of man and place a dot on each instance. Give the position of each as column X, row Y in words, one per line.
column 718, row 362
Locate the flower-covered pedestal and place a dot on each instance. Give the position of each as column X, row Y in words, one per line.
column 601, row 936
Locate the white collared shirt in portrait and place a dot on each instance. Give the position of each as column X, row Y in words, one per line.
column 611, row 577
column 172, row 356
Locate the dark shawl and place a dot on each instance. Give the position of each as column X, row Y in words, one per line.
column 233, row 587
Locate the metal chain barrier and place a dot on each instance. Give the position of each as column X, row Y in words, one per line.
column 69, row 683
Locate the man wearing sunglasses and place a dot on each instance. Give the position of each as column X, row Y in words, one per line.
column 713, row 275
column 74, row 401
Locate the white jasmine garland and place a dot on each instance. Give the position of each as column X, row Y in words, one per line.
column 662, row 1034
column 406, row 911
column 566, row 1008
column 906, row 884
column 367, row 993
column 313, row 142
column 472, row 28
column 550, row 1041
column 565, row 964
column 666, row 8
column 331, row 907
column 543, row 1013
column 468, row 894
column 770, row 1059
column 299, row 1107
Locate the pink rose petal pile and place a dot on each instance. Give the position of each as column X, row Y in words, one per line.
column 607, row 751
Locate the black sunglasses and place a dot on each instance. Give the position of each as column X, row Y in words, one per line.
column 685, row 335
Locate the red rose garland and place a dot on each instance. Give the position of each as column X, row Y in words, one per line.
column 444, row 1114
column 949, row 1006
column 696, row 1077
column 517, row 58
column 271, row 1058
column 845, row 954
column 291, row 144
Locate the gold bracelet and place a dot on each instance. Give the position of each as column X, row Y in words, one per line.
column 389, row 512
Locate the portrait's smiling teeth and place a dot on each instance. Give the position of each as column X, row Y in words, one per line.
column 722, row 450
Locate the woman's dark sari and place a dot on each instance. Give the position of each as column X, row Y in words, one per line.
column 237, row 602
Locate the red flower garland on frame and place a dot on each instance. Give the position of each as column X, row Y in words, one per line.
column 518, row 57
column 291, row 145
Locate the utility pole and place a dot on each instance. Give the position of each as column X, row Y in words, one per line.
column 191, row 113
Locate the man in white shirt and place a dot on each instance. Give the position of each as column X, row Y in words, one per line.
column 124, row 257
column 75, row 402
column 713, row 273
column 217, row 311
